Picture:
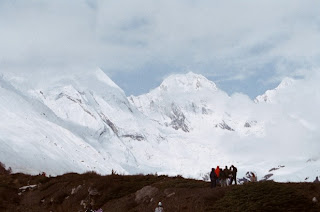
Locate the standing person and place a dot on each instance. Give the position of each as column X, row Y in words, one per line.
column 228, row 174
column 213, row 178
column 223, row 177
column 234, row 175
column 218, row 175
column 159, row 208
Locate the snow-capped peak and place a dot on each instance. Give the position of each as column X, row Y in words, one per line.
column 270, row 95
column 286, row 82
column 189, row 81
column 104, row 78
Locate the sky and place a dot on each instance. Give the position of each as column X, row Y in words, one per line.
column 243, row 46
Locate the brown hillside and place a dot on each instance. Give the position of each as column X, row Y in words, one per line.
column 73, row 192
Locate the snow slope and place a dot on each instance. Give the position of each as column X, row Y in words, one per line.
column 186, row 126
column 33, row 140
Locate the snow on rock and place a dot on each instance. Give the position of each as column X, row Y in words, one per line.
column 191, row 102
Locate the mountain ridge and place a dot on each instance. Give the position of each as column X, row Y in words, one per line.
column 143, row 134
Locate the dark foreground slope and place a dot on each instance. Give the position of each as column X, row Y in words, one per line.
column 72, row 192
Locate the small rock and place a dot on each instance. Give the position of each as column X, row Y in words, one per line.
column 24, row 188
column 145, row 193
column 93, row 191
column 75, row 190
column 169, row 195
column 314, row 199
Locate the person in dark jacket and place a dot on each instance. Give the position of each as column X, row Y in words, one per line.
column 213, row 178
column 234, row 175
column 223, row 178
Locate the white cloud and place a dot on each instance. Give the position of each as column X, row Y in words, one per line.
column 238, row 38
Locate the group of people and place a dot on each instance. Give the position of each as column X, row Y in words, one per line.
column 223, row 177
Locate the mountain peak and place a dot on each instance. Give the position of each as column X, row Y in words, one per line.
column 287, row 81
column 270, row 95
column 189, row 81
column 102, row 76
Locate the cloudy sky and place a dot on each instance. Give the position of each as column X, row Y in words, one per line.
column 243, row 46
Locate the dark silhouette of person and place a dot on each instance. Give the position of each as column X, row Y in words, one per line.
column 234, row 175
column 213, row 178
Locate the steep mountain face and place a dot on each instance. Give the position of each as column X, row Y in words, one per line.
column 186, row 126
column 88, row 109
column 183, row 102
column 33, row 139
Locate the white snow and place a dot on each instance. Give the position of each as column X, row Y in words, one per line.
column 186, row 126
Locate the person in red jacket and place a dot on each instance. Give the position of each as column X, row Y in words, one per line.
column 218, row 175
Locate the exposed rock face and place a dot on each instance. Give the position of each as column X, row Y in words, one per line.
column 247, row 124
column 178, row 120
column 224, row 126
column 134, row 137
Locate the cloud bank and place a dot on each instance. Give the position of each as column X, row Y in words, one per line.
column 225, row 41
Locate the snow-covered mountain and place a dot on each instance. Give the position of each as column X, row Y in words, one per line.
column 187, row 125
column 191, row 102
column 271, row 96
